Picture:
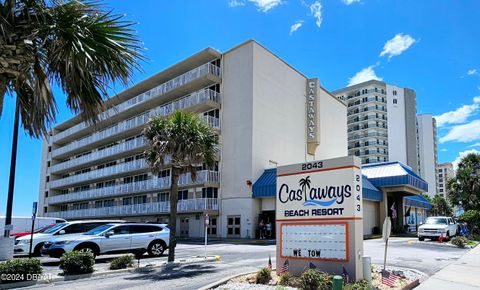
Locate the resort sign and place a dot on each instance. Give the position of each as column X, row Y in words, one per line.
column 312, row 115
column 319, row 216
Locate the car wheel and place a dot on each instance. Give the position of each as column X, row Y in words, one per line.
column 37, row 250
column 448, row 236
column 421, row 239
column 87, row 249
column 156, row 249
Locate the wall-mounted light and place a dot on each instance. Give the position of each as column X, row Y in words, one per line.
column 249, row 182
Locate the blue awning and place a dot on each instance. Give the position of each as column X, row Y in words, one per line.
column 389, row 174
column 370, row 192
column 266, row 184
column 417, row 201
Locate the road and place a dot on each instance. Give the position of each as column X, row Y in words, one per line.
column 427, row 257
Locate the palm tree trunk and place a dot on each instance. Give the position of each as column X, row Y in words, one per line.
column 11, row 181
column 173, row 214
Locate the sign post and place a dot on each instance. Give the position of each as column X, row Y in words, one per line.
column 319, row 217
column 387, row 228
column 207, row 222
column 34, row 214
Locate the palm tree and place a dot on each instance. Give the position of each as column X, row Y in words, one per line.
column 182, row 141
column 304, row 183
column 75, row 45
column 464, row 188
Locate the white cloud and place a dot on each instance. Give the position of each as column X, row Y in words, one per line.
column 460, row 115
column 444, row 150
column 398, row 44
column 463, row 133
column 236, row 3
column 472, row 72
column 474, row 145
column 364, row 75
column 349, row 2
column 461, row 155
column 316, row 10
column 296, row 26
column 266, row 5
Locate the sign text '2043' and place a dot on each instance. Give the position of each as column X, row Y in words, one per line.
column 314, row 165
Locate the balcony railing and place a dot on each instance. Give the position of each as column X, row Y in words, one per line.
column 203, row 176
column 163, row 110
column 185, row 205
column 111, row 191
column 106, row 152
column 166, row 87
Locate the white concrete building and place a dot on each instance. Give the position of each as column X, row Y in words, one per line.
column 381, row 122
column 445, row 172
column 427, row 151
column 257, row 103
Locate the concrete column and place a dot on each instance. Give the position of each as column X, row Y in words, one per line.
column 383, row 209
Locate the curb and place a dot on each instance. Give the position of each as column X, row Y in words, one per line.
column 131, row 270
column 225, row 280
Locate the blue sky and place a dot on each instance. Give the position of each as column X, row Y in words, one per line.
column 430, row 46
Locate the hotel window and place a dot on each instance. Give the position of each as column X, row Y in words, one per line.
column 64, row 207
column 164, row 173
column 213, row 113
column 48, row 178
column 163, row 196
column 104, row 203
column 141, row 177
column 110, row 164
column 182, row 194
column 210, row 192
column 212, row 227
column 99, row 185
column 46, row 193
column 140, row 156
column 128, row 179
column 394, row 92
column 139, row 199
column 128, row 159
column 64, row 191
column 395, row 101
column 78, row 206
column 110, row 183
column 127, row 201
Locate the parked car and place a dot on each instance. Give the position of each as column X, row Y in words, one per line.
column 24, row 224
column 434, row 227
column 113, row 238
column 40, row 230
column 22, row 244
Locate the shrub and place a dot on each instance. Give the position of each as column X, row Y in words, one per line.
column 359, row 285
column 313, row 280
column 122, row 262
column 23, row 268
column 286, row 279
column 459, row 241
column 74, row 263
column 263, row 276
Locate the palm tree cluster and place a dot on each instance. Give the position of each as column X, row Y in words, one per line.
column 75, row 45
column 181, row 141
column 464, row 188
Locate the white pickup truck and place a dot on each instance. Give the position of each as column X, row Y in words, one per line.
column 437, row 226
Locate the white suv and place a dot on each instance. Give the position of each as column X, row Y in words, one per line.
column 22, row 244
column 113, row 238
column 434, row 227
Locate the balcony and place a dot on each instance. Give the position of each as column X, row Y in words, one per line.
column 191, row 100
column 162, row 89
column 186, row 205
column 99, row 155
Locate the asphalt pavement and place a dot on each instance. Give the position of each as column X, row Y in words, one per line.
column 427, row 257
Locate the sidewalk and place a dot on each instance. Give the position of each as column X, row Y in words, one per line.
column 463, row 274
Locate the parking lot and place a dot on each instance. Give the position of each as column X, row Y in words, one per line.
column 427, row 257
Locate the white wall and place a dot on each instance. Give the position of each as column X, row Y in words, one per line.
column 426, row 145
column 43, row 175
column 397, row 143
column 371, row 216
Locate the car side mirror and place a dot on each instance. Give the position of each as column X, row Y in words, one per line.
column 61, row 232
column 108, row 234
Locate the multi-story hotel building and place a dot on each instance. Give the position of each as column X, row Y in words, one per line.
column 427, row 151
column 445, row 172
column 381, row 122
column 256, row 102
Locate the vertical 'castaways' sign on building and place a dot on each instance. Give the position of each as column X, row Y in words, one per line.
column 312, row 115
column 319, row 216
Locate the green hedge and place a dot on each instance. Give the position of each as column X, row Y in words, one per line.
column 122, row 262
column 18, row 270
column 75, row 263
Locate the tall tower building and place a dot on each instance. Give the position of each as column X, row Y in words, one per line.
column 445, row 172
column 381, row 122
column 427, row 151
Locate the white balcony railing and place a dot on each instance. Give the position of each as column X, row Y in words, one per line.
column 168, row 86
column 163, row 110
column 186, row 205
column 111, row 191
column 106, row 152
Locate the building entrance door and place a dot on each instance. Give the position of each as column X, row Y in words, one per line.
column 184, row 227
column 233, row 226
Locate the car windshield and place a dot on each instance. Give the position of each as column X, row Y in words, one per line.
column 98, row 230
column 44, row 229
column 53, row 229
column 436, row 221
